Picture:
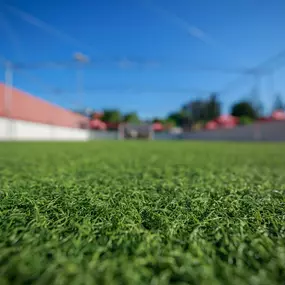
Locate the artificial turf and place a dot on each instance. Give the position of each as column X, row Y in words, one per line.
column 142, row 213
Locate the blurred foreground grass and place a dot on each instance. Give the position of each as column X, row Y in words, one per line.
column 142, row 213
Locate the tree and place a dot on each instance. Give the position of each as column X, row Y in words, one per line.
column 255, row 102
column 111, row 116
column 278, row 104
column 158, row 120
column 245, row 120
column 203, row 110
column 195, row 111
column 168, row 123
column 244, row 109
column 177, row 117
column 131, row 118
column 213, row 108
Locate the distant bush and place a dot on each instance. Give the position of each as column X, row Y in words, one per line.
column 244, row 109
column 168, row 124
column 244, row 120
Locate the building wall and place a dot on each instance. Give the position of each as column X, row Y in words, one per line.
column 164, row 136
column 23, row 106
column 267, row 131
column 104, row 135
column 23, row 130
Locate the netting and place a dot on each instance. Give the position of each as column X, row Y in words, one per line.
column 135, row 131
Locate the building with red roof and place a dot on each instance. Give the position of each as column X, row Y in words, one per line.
column 24, row 116
column 26, row 107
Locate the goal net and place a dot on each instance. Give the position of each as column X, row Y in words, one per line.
column 135, row 131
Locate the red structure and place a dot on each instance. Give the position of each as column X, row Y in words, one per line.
column 227, row 121
column 97, row 124
column 278, row 115
column 112, row 126
column 157, row 127
column 23, row 106
column 212, row 125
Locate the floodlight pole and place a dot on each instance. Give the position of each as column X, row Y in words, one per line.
column 8, row 97
column 80, row 59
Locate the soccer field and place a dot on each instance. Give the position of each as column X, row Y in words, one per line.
column 142, row 213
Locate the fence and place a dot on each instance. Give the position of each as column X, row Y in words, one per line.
column 267, row 131
column 23, row 130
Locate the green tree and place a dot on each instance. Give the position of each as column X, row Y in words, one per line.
column 203, row 110
column 213, row 108
column 158, row 120
column 131, row 118
column 244, row 109
column 112, row 116
column 245, row 120
column 170, row 122
column 195, row 111
column 178, row 118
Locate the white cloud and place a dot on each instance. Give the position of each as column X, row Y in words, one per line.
column 126, row 63
column 201, row 35
column 191, row 30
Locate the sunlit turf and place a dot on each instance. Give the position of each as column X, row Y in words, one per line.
column 142, row 213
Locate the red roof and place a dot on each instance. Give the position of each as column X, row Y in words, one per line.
column 278, row 115
column 26, row 107
column 98, row 124
column 265, row 119
column 227, row 121
column 157, row 127
column 112, row 126
column 212, row 125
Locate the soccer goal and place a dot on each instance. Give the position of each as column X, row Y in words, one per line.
column 135, row 131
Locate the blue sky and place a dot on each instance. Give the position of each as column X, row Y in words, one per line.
column 177, row 36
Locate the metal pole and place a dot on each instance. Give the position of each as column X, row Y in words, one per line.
column 8, row 97
column 79, row 79
column 81, row 59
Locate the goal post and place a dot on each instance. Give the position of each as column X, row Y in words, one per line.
column 128, row 131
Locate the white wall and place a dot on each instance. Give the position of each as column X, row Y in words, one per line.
column 22, row 130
